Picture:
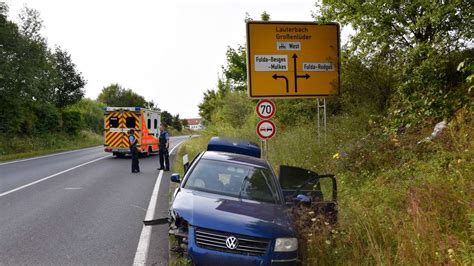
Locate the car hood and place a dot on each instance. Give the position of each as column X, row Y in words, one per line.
column 233, row 215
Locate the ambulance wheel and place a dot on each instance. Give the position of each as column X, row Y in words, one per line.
column 149, row 151
column 119, row 155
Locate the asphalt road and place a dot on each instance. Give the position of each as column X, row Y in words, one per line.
column 82, row 207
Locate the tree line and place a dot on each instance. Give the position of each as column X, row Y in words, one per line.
column 36, row 82
column 408, row 64
column 116, row 95
column 42, row 90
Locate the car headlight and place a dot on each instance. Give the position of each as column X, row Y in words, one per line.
column 286, row 244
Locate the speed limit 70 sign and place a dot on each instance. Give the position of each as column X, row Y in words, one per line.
column 265, row 109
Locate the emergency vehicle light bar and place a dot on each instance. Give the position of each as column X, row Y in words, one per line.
column 108, row 109
column 234, row 146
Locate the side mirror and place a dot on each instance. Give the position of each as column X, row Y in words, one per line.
column 175, row 178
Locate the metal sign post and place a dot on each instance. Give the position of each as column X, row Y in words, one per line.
column 264, row 145
column 321, row 117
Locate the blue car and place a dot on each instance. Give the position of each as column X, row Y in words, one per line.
column 231, row 209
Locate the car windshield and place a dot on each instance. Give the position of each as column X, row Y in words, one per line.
column 231, row 179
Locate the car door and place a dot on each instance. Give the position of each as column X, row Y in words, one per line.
column 320, row 189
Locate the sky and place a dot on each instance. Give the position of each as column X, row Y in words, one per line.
column 167, row 51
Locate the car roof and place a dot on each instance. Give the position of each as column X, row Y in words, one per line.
column 235, row 157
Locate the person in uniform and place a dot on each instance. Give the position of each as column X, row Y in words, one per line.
column 134, row 151
column 163, row 149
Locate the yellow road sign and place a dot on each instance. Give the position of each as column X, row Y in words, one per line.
column 292, row 59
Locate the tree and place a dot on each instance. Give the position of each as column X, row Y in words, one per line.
column 3, row 10
column 392, row 27
column 166, row 118
column 213, row 100
column 176, row 123
column 235, row 70
column 25, row 75
column 70, row 83
column 31, row 24
column 34, row 82
column 265, row 16
column 11, row 107
column 152, row 105
column 184, row 122
column 419, row 42
column 116, row 95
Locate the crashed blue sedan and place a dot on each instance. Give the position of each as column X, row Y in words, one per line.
column 231, row 208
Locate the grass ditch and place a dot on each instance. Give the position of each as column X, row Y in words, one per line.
column 174, row 259
column 183, row 132
column 191, row 147
column 400, row 202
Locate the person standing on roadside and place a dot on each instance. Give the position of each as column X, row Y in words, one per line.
column 163, row 148
column 134, row 151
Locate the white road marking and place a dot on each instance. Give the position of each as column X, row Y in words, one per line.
column 144, row 243
column 59, row 153
column 46, row 156
column 142, row 249
column 51, row 176
column 71, row 188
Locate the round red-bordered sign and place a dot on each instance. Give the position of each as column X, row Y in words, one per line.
column 266, row 129
column 265, row 109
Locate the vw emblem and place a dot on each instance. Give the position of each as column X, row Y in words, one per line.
column 231, row 242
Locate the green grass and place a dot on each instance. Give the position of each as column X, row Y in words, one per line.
column 191, row 147
column 177, row 167
column 174, row 258
column 399, row 203
column 22, row 147
column 183, row 132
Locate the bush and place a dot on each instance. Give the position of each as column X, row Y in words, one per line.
column 235, row 111
column 47, row 118
column 72, row 122
column 92, row 113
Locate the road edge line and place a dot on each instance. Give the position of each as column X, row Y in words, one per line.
column 143, row 244
column 50, row 176
column 141, row 254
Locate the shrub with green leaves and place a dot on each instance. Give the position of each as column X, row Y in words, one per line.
column 47, row 118
column 72, row 122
